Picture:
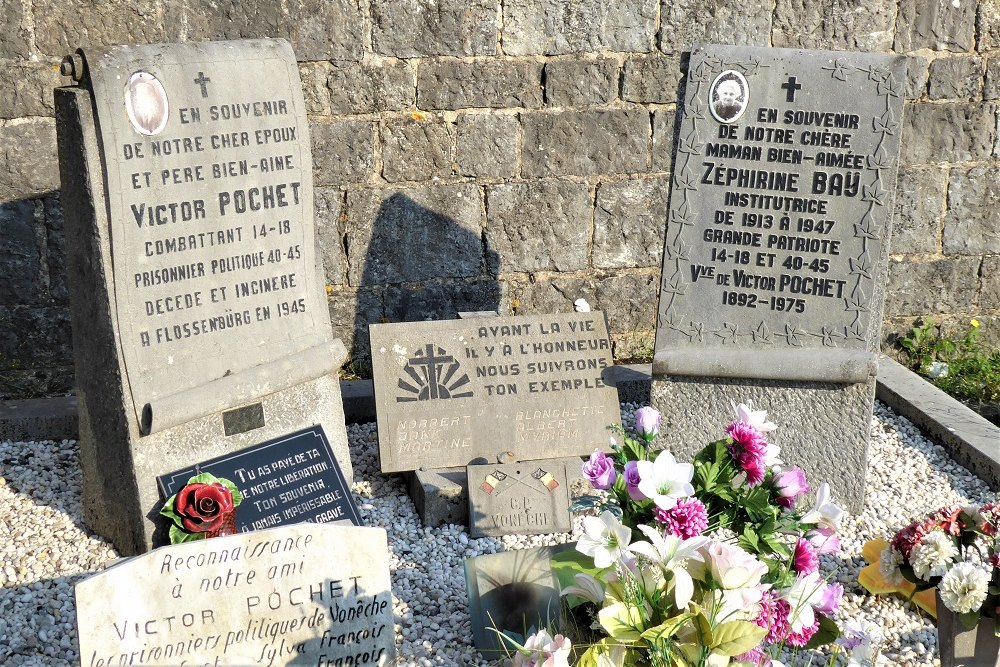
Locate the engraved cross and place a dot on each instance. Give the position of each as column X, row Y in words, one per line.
column 433, row 364
column 791, row 86
column 203, row 81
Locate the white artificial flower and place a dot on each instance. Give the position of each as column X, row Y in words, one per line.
column 756, row 418
column 824, row 513
column 586, row 587
column 739, row 604
column 581, row 306
column 933, row 555
column 542, row 649
column 805, row 593
column 671, row 554
column 861, row 638
column 665, row 480
column 964, row 588
column 604, row 539
column 888, row 566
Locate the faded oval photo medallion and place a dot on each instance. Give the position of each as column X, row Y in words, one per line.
column 146, row 103
column 729, row 96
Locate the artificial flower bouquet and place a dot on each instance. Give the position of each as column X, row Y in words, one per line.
column 204, row 507
column 956, row 549
column 709, row 563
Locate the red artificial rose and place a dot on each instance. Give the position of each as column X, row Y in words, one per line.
column 202, row 507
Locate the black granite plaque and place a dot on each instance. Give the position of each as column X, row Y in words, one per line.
column 453, row 391
column 779, row 217
column 290, row 479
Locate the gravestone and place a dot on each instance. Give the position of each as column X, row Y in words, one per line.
column 526, row 498
column 200, row 324
column 450, row 392
column 304, row 594
column 776, row 252
column 286, row 480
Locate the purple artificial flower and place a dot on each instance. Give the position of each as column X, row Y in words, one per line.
column 687, row 519
column 824, row 540
column 805, row 560
column 830, row 604
column 631, row 474
column 749, row 451
column 790, row 485
column 599, row 470
column 647, row 422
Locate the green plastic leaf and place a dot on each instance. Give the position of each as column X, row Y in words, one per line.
column 621, row 621
column 584, row 503
column 969, row 619
column 168, row 511
column 667, row 629
column 180, row 536
column 735, row 637
column 827, row 633
column 565, row 565
column 235, row 492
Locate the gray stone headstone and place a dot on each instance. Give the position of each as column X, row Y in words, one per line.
column 776, row 253
column 304, row 594
column 200, row 323
column 452, row 391
column 526, row 498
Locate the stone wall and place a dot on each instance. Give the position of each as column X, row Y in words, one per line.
column 511, row 154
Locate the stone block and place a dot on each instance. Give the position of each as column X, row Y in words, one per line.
column 940, row 25
column 444, row 301
column 343, row 151
column 399, row 235
column 919, row 205
column 585, row 143
column 21, row 241
column 937, row 286
column 990, row 290
column 351, row 311
column 500, row 84
column 917, row 75
column 970, row 224
column 947, row 133
column 988, row 26
column 28, row 164
column 487, row 145
column 339, row 34
column 354, row 88
column 539, row 226
column 55, row 249
column 629, row 222
column 28, row 89
column 991, row 88
column 417, row 150
column 837, row 24
column 60, row 29
column 14, row 38
column 664, row 122
column 329, row 205
column 575, row 83
column 957, row 77
column 684, row 23
column 553, row 27
column 417, row 28
column 35, row 337
column 314, row 90
column 652, row 79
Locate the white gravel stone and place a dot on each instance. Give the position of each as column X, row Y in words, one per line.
column 45, row 548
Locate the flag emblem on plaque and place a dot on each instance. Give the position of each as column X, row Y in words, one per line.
column 546, row 478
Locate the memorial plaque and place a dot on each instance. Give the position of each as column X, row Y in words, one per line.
column 777, row 238
column 209, row 192
column 776, row 252
column 304, row 594
column 197, row 299
column 286, row 480
column 526, row 498
column 449, row 392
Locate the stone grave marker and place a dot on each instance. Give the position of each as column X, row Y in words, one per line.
column 518, row 498
column 304, row 594
column 200, row 323
column 449, row 392
column 286, row 480
column 776, row 252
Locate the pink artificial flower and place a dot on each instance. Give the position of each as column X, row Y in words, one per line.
column 647, row 422
column 790, row 485
column 600, row 470
column 631, row 474
column 805, row 560
column 830, row 604
column 802, row 636
column 754, row 656
column 824, row 540
column 749, row 451
column 773, row 617
column 687, row 519
column 990, row 514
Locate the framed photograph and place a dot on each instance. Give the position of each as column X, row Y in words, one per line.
column 729, row 96
column 146, row 103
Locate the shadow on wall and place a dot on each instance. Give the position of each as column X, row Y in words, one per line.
column 421, row 264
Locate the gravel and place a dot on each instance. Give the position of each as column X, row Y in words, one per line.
column 45, row 548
